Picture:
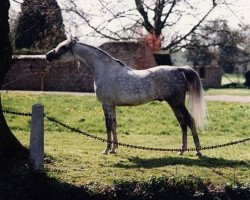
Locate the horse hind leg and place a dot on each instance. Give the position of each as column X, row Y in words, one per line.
column 191, row 124
column 178, row 111
column 186, row 120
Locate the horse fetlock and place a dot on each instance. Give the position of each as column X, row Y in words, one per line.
column 112, row 151
column 198, row 154
column 181, row 151
column 114, row 146
column 105, row 152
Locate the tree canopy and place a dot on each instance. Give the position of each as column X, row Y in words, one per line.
column 39, row 25
column 216, row 40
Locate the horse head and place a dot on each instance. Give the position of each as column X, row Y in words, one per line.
column 63, row 52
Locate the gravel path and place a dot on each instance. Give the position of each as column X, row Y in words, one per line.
column 226, row 98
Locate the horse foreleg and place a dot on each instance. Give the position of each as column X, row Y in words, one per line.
column 115, row 140
column 108, row 110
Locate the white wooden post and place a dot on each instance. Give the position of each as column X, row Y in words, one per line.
column 37, row 138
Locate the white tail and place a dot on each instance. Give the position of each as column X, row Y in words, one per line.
column 197, row 104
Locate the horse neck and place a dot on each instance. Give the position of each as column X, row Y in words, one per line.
column 94, row 59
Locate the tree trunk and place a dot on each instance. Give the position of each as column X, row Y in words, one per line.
column 9, row 145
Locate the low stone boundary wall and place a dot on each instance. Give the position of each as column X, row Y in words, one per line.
column 37, row 74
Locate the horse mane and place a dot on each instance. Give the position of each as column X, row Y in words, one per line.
column 122, row 64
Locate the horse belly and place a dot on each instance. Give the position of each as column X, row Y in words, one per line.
column 133, row 101
column 137, row 97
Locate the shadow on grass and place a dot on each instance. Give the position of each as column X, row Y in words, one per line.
column 16, row 182
column 168, row 161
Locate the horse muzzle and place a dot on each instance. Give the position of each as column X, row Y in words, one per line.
column 51, row 56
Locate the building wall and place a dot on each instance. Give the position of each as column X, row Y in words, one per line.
column 210, row 76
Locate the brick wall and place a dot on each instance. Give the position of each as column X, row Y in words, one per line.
column 58, row 76
column 134, row 54
column 70, row 76
column 74, row 77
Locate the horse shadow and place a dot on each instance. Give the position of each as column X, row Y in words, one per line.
column 149, row 163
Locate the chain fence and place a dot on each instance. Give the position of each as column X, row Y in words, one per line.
column 91, row 135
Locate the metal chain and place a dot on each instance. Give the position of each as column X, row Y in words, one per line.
column 17, row 113
column 57, row 122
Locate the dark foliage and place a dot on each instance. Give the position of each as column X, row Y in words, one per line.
column 39, row 25
column 217, row 41
column 199, row 53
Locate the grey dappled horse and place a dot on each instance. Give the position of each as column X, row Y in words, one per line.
column 116, row 84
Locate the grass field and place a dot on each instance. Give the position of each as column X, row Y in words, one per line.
column 75, row 159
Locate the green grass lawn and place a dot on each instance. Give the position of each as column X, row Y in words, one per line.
column 75, row 159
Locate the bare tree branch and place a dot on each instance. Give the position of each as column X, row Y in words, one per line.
column 154, row 16
column 173, row 43
column 83, row 16
column 149, row 27
column 157, row 17
column 168, row 13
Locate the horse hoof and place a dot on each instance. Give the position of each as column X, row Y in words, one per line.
column 112, row 152
column 180, row 152
column 105, row 152
column 198, row 154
